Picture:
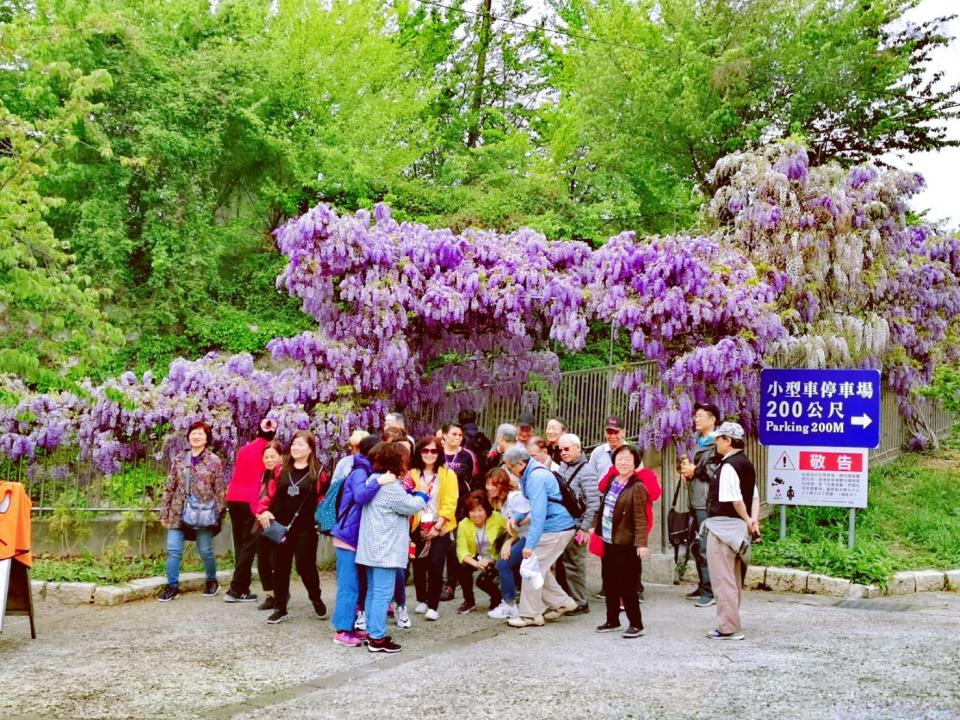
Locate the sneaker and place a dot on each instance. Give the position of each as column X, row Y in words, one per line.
column 601, row 595
column 277, row 617
column 361, row 623
column 232, row 597
column 705, row 602
column 446, row 594
column 348, row 639
column 421, row 608
column 519, row 622
column 321, row 610
column 168, row 593
column 504, row 611
column 268, row 603
column 558, row 612
column 465, row 607
column 402, row 618
column 609, row 627
column 432, row 615
column 384, row 644
column 632, row 632
column 717, row 635
column 211, row 588
column 579, row 610
column 693, row 595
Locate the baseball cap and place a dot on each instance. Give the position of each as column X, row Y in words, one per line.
column 731, row 430
column 613, row 422
column 710, row 408
column 526, row 419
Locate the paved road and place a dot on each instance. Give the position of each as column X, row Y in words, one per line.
column 804, row 657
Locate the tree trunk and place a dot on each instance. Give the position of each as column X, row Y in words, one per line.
column 476, row 103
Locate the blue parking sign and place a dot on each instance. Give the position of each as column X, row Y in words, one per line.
column 820, row 408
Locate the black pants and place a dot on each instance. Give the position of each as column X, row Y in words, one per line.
column 302, row 545
column 246, row 546
column 604, row 582
column 453, row 564
column 487, row 581
column 428, row 571
column 620, row 567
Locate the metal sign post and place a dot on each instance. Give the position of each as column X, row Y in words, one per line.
column 818, row 426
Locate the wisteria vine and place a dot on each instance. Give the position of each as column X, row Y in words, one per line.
column 811, row 266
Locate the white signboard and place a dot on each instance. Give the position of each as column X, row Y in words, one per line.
column 830, row 476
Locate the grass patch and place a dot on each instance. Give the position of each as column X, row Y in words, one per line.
column 110, row 570
column 912, row 522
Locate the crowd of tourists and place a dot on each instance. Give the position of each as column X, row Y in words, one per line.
column 514, row 518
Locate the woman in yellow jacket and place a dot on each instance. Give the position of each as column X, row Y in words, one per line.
column 431, row 528
column 477, row 550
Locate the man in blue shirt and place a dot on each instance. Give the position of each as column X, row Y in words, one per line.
column 551, row 529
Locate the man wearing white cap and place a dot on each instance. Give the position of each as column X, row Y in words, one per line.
column 733, row 509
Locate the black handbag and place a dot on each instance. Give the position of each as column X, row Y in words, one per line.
column 680, row 528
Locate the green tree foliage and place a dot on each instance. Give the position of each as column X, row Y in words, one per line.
column 679, row 84
column 50, row 319
column 176, row 134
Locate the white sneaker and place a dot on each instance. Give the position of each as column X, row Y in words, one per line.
column 503, row 611
column 421, row 608
column 361, row 623
column 400, row 615
column 432, row 615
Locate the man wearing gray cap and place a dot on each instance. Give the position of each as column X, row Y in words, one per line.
column 733, row 508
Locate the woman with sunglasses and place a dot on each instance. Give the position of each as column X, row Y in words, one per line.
column 431, row 527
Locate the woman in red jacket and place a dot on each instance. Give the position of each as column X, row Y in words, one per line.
column 243, row 496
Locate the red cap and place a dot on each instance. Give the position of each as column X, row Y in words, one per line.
column 614, row 423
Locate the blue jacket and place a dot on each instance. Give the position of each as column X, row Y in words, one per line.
column 356, row 494
column 539, row 485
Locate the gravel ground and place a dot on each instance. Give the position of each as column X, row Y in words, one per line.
column 804, row 657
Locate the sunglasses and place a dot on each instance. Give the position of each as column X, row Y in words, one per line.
column 429, row 451
column 566, row 449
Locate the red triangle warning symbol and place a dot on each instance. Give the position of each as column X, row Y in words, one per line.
column 784, row 462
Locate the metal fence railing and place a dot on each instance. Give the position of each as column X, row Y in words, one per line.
column 583, row 398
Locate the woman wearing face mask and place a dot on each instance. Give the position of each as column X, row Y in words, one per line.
column 243, row 496
column 196, row 473
column 292, row 500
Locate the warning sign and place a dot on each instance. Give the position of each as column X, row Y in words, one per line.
column 783, row 463
column 835, row 477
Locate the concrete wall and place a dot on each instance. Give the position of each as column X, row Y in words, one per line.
column 99, row 534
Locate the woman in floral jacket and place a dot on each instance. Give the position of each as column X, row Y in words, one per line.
column 199, row 471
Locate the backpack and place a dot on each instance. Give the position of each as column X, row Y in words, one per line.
column 480, row 445
column 573, row 504
column 328, row 509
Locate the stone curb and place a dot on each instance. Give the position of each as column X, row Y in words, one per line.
column 660, row 569
column 77, row 593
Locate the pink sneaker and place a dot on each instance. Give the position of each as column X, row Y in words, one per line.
column 348, row 639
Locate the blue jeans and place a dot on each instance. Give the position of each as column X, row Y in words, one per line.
column 380, row 588
column 507, row 568
column 175, row 542
column 348, row 590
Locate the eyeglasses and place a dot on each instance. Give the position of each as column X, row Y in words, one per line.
column 566, row 449
column 429, row 451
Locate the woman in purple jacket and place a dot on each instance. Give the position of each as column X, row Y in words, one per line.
column 356, row 494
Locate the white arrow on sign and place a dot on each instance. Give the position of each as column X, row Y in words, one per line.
column 863, row 421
